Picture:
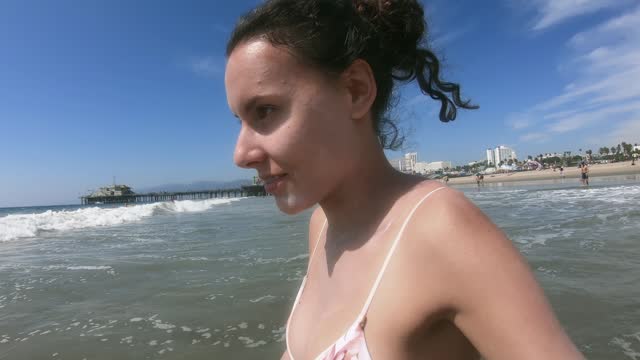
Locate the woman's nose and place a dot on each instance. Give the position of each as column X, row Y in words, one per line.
column 248, row 152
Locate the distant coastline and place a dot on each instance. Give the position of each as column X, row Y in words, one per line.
column 618, row 168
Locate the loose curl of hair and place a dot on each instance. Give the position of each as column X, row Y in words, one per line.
column 331, row 34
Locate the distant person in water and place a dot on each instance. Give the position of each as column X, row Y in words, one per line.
column 584, row 171
column 411, row 263
column 479, row 179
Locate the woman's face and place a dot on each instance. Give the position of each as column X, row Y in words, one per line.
column 296, row 128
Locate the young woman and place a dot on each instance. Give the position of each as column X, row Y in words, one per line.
column 399, row 267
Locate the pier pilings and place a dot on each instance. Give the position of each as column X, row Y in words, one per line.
column 244, row 191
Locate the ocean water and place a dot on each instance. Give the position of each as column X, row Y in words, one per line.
column 215, row 279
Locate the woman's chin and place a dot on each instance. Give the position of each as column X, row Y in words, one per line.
column 291, row 204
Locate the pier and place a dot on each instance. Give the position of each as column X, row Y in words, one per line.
column 128, row 197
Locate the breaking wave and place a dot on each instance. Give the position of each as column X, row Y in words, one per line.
column 30, row 225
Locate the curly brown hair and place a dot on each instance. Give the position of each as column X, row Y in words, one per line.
column 331, row 34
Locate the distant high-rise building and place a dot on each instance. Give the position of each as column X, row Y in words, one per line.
column 491, row 160
column 409, row 164
column 500, row 154
column 410, row 160
column 397, row 163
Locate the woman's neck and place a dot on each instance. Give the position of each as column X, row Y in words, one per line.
column 366, row 194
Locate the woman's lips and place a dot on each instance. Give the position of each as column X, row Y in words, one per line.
column 273, row 183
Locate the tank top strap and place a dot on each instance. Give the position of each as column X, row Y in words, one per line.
column 301, row 289
column 372, row 293
column 324, row 225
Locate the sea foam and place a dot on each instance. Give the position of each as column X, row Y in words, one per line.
column 30, row 225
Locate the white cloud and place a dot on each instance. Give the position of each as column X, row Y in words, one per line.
column 534, row 137
column 597, row 88
column 586, row 118
column 605, row 90
column 627, row 131
column 519, row 120
column 567, row 113
column 553, row 12
column 441, row 39
column 207, row 65
column 624, row 25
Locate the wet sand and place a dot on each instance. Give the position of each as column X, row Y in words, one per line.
column 619, row 168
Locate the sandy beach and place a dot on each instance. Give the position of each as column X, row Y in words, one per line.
column 619, row 168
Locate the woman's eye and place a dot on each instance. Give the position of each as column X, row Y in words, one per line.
column 264, row 111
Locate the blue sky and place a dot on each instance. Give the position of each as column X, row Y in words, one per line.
column 95, row 89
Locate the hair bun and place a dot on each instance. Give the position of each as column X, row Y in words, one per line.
column 399, row 27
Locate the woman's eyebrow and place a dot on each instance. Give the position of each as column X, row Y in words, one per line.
column 248, row 105
column 251, row 103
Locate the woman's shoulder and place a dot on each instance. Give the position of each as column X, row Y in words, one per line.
column 447, row 228
column 450, row 238
column 440, row 210
column 481, row 279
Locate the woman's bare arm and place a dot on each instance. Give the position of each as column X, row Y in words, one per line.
column 497, row 301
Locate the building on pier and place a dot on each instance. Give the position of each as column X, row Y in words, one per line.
column 115, row 190
column 122, row 194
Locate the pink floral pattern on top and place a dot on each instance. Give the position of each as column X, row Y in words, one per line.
column 351, row 346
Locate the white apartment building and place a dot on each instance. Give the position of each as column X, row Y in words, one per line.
column 491, row 160
column 409, row 164
column 425, row 168
column 397, row 164
column 501, row 153
column 410, row 161
column 555, row 154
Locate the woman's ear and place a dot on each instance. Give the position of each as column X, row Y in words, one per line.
column 361, row 85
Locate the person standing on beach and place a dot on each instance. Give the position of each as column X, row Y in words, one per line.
column 584, row 171
column 407, row 263
column 561, row 172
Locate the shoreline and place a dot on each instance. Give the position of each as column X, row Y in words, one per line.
column 619, row 168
